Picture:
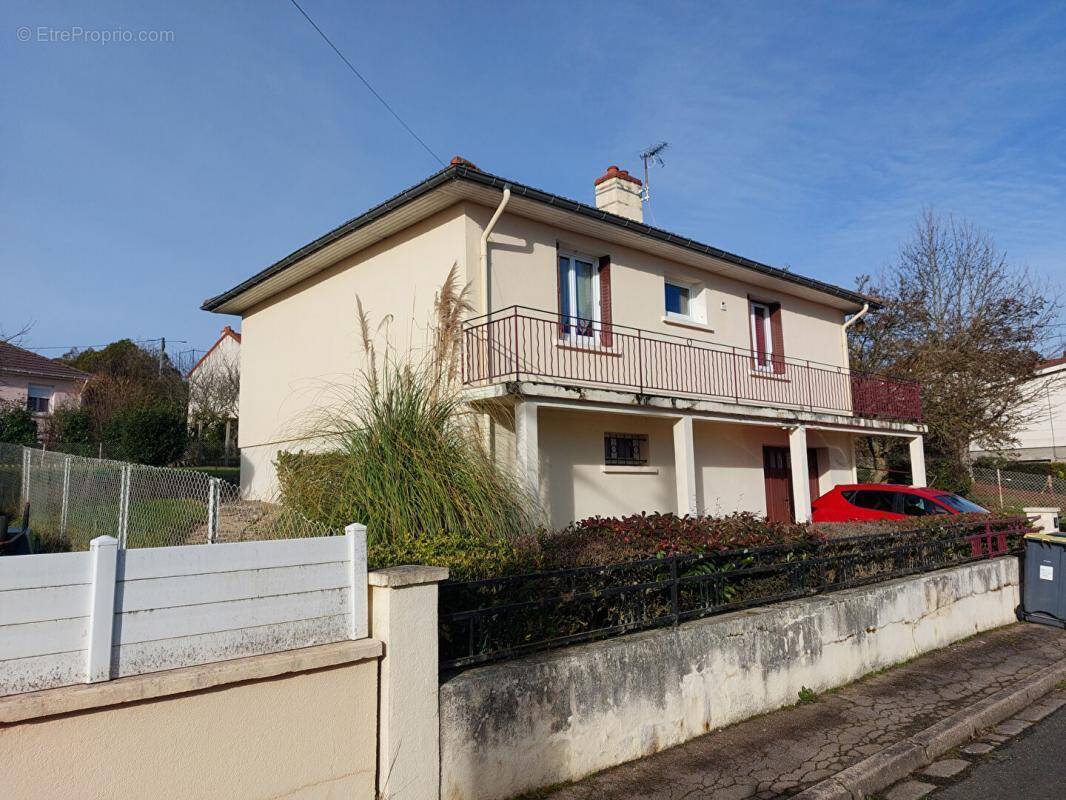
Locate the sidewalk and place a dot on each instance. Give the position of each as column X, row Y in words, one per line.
column 779, row 754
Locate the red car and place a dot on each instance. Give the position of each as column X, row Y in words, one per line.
column 863, row 501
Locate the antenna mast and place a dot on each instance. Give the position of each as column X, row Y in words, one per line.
column 651, row 154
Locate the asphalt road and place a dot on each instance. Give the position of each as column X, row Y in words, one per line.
column 1029, row 767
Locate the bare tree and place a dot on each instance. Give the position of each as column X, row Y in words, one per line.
column 966, row 324
column 214, row 393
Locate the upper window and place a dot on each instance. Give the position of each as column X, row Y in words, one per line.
column 678, row 298
column 625, row 449
column 39, row 399
column 579, row 295
column 762, row 338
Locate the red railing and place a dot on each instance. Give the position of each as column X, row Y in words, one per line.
column 525, row 344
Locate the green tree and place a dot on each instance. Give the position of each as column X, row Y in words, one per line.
column 126, row 376
column 153, row 435
column 17, row 425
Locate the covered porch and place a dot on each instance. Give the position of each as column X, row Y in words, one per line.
column 593, row 453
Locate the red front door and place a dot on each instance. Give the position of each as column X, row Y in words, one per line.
column 777, row 475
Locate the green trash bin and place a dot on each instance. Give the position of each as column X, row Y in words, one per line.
column 1044, row 579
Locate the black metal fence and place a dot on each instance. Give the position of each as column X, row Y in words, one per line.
column 501, row 618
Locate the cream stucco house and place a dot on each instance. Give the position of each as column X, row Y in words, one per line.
column 631, row 369
column 1043, row 436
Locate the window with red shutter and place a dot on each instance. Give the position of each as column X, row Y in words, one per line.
column 767, row 337
column 761, row 337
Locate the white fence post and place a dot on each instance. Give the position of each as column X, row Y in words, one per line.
column 999, row 485
column 124, row 507
column 212, row 510
column 66, row 496
column 356, row 535
column 25, row 475
column 104, row 553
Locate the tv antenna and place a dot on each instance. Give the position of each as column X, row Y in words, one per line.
column 652, row 154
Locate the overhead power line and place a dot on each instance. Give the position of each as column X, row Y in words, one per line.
column 366, row 83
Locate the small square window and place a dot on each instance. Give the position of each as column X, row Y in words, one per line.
column 625, row 449
column 39, row 399
column 677, row 299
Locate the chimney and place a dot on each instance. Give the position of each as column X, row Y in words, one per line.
column 619, row 193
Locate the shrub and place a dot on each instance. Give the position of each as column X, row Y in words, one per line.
column 70, row 426
column 17, row 425
column 153, row 435
column 600, row 540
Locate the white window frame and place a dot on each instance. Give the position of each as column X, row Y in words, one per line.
column 692, row 290
column 572, row 336
column 40, row 387
column 768, row 338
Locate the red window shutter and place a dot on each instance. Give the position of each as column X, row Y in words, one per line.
column 606, row 333
column 777, row 338
column 559, row 295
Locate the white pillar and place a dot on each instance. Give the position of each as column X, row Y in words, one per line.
column 801, row 487
column 103, row 553
column 917, row 448
column 527, row 445
column 685, row 467
column 403, row 615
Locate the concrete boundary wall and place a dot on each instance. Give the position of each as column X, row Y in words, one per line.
column 545, row 719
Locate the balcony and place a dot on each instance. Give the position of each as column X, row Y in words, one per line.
column 518, row 343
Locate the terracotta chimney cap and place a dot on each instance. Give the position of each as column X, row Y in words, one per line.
column 614, row 172
column 459, row 161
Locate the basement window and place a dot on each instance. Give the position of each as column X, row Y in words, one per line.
column 625, row 449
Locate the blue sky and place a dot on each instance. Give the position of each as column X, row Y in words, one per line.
column 136, row 179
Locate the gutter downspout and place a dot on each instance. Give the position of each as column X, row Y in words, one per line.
column 844, row 332
column 486, row 307
column 483, row 253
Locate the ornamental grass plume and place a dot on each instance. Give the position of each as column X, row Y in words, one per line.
column 406, row 459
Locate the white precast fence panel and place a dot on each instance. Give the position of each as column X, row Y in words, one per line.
column 83, row 617
column 74, row 499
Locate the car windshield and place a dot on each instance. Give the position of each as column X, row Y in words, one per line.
column 961, row 504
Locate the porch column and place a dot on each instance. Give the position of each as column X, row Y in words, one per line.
column 917, row 448
column 527, row 445
column 685, row 467
column 801, row 487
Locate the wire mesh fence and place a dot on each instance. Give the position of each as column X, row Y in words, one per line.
column 1010, row 489
column 74, row 499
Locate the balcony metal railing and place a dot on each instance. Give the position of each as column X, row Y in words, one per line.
column 518, row 343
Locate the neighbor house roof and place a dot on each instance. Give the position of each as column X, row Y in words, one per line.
column 227, row 333
column 24, row 362
column 1050, row 364
column 462, row 180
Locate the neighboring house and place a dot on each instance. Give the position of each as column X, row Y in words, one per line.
column 214, row 385
column 618, row 367
column 39, row 383
column 1044, row 436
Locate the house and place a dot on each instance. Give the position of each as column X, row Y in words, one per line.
column 39, row 383
column 617, row 366
column 1043, row 437
column 214, row 386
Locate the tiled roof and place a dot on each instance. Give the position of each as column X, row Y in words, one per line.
column 17, row 360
